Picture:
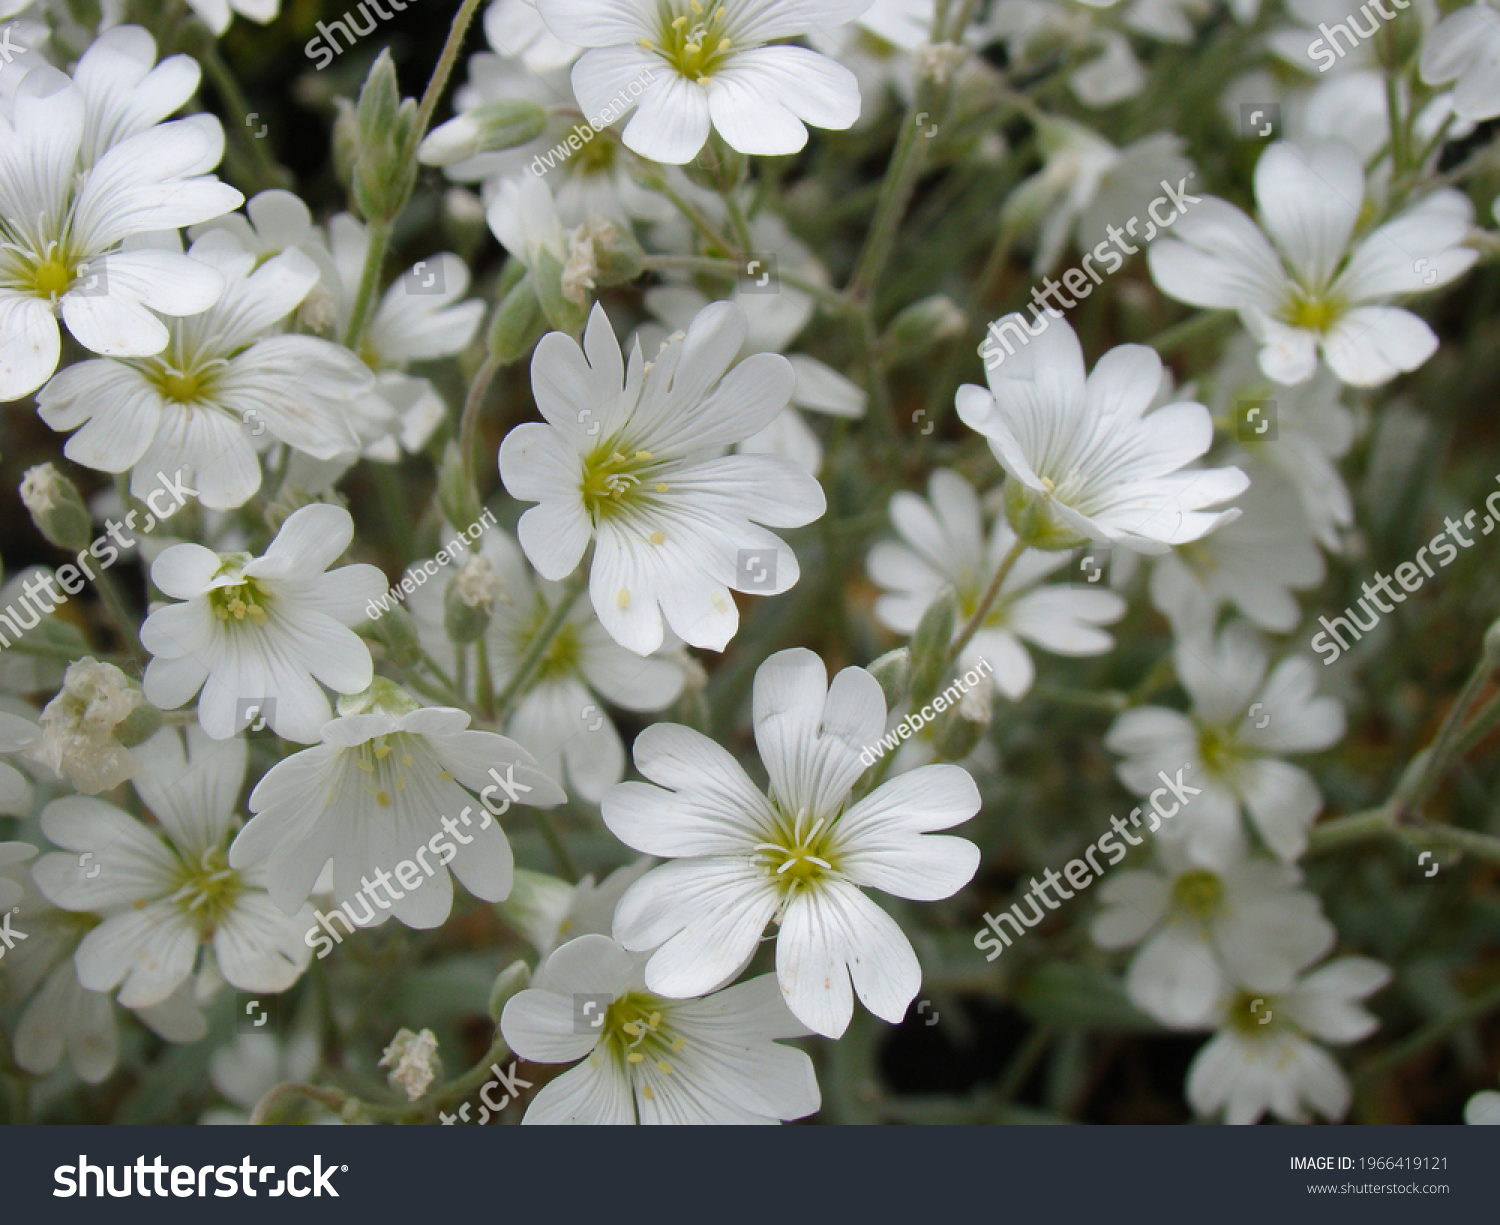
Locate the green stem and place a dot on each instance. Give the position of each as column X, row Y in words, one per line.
column 112, row 596
column 1023, row 1062
column 986, row 602
column 556, row 845
column 456, row 1090
column 1482, row 1004
column 1438, row 759
column 468, row 426
column 895, row 194
column 237, row 107
column 486, row 682
column 334, row 1099
column 541, row 643
column 369, row 280
column 1191, row 328
column 438, row 82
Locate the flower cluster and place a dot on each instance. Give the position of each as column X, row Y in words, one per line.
column 772, row 649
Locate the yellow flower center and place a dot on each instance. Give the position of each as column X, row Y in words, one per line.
column 691, row 41
column 636, row 1035
column 1199, row 894
column 207, row 890
column 801, row 851
column 51, row 277
column 385, row 761
column 615, row 481
column 1259, row 1016
column 562, row 655
column 238, row 602
column 1313, row 312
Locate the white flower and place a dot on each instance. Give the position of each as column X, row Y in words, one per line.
column 248, row 1068
column 633, row 460
column 1253, row 1064
column 1310, row 286
column 559, row 716
column 1084, row 460
column 945, row 547
column 1198, row 929
column 262, row 631
column 515, row 28
column 17, row 733
column 390, row 784
column 413, row 1062
column 58, row 1015
column 1032, row 29
column 422, row 316
column 173, row 886
column 217, row 14
column 652, row 1059
column 773, row 321
column 708, row 64
column 799, row 858
column 1241, row 722
column 12, row 854
column 1255, row 563
column 1465, row 47
column 1483, row 1108
column 227, row 382
column 78, row 727
column 1301, row 431
column 1086, row 183
column 548, row 911
column 64, row 217
column 878, row 48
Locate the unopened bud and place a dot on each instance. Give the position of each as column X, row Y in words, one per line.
column 518, row 323
column 511, row 981
column 893, row 671
column 919, row 327
column 488, row 128
column 383, row 123
column 618, row 258
column 954, row 736
column 397, row 632
column 564, row 306
column 56, row 508
column 456, row 495
column 929, row 646
column 464, row 622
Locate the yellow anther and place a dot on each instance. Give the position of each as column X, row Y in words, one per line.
column 364, row 765
column 646, row 1092
column 644, row 456
column 662, row 486
column 635, row 1057
column 622, row 598
column 664, row 1066
column 382, row 752
column 658, row 538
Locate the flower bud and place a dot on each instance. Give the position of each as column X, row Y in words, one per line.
column 469, row 599
column 397, row 632
column 456, row 496
column 488, row 128
column 517, row 324
column 56, row 508
column 565, row 304
column 511, row 981
column 617, row 257
column 954, row 736
column 80, row 727
column 922, row 325
column 383, row 123
column 893, row 671
column 929, row 646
